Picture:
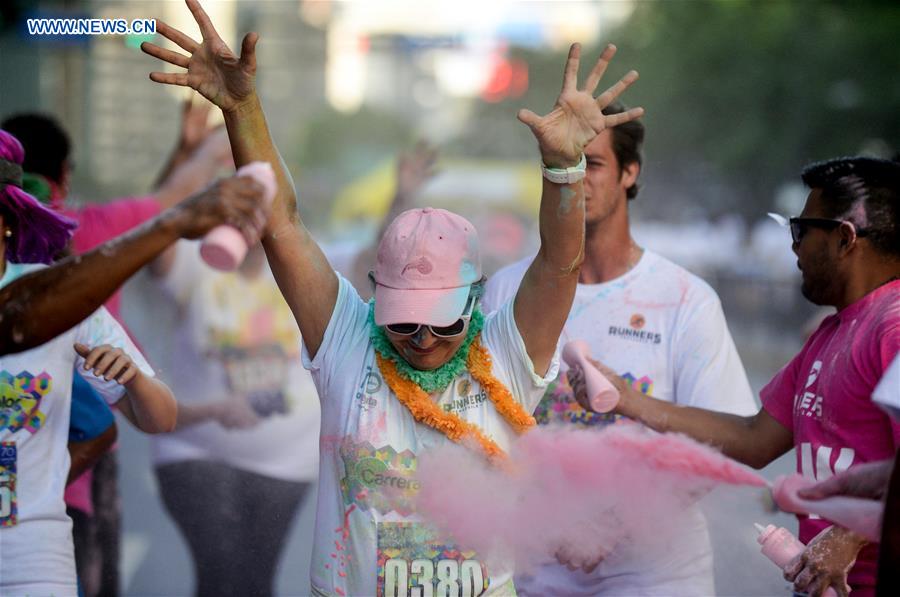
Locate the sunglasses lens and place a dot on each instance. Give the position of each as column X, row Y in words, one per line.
column 454, row 329
column 404, row 329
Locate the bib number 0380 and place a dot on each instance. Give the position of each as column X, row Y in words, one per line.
column 446, row 578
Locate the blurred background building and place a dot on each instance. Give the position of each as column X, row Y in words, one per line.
column 739, row 96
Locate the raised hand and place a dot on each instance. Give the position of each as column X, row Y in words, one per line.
column 577, row 116
column 213, row 70
column 415, row 168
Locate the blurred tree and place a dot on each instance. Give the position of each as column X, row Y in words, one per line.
column 740, row 94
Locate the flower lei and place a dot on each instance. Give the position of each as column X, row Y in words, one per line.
column 416, row 399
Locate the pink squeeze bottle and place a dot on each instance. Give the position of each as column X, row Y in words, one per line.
column 780, row 546
column 224, row 247
column 602, row 395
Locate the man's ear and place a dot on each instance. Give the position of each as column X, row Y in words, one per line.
column 847, row 232
column 630, row 173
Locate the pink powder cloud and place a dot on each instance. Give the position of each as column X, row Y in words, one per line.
column 582, row 491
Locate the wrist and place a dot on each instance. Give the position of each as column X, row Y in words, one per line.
column 564, row 174
column 244, row 107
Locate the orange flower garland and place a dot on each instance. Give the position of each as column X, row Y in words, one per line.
column 426, row 411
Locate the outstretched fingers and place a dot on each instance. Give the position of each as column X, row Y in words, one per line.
column 570, row 75
column 165, row 55
column 593, row 79
column 180, row 79
column 609, row 96
column 623, row 117
column 248, row 51
column 177, row 37
column 203, row 21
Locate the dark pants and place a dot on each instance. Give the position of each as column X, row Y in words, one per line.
column 97, row 537
column 234, row 521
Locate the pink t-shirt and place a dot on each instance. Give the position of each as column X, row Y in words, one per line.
column 824, row 395
column 98, row 223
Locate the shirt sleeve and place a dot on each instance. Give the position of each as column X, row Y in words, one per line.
column 512, row 365
column 98, row 329
column 778, row 395
column 708, row 371
column 346, row 339
column 503, row 285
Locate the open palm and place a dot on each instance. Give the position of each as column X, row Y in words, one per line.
column 577, row 116
column 213, row 70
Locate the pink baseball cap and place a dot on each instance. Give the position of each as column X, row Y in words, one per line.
column 427, row 261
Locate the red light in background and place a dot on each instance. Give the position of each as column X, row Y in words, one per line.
column 508, row 80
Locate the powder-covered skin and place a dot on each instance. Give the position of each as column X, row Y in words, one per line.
column 584, row 491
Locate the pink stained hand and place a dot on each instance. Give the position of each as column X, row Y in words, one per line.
column 860, row 515
column 602, row 395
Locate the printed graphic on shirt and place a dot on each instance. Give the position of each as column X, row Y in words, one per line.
column 371, row 384
column 808, row 403
column 8, row 502
column 635, row 333
column 259, row 374
column 559, row 405
column 20, row 400
column 412, row 560
column 379, row 478
column 470, row 396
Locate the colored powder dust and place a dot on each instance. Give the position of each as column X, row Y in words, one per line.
column 582, row 492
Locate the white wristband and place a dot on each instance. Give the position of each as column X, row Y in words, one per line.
column 565, row 175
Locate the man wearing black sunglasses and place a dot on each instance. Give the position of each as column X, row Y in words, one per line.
column 847, row 242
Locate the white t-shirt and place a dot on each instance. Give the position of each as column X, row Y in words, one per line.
column 36, row 552
column 236, row 339
column 368, row 538
column 887, row 392
column 661, row 328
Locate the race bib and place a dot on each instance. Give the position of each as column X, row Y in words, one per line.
column 413, row 562
column 8, row 508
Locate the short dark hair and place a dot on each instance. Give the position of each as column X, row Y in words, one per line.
column 874, row 183
column 46, row 143
column 627, row 141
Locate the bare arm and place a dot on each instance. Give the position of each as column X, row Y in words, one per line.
column 85, row 454
column 305, row 278
column 40, row 306
column 756, row 440
column 148, row 402
column 546, row 293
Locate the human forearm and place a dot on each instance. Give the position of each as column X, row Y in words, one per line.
column 84, row 455
column 150, row 405
column 30, row 313
column 194, row 414
column 754, row 441
column 302, row 271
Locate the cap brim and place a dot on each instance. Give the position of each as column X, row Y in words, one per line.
column 431, row 307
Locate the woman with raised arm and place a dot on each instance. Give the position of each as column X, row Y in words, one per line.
column 419, row 366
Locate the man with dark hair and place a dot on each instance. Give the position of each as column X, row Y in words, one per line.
column 661, row 328
column 821, row 402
